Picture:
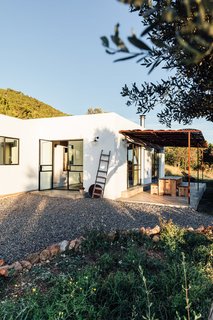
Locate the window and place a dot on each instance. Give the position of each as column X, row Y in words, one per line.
column 9, row 151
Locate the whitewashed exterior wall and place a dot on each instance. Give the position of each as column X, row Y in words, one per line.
column 24, row 177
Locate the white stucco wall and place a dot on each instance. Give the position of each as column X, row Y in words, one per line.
column 23, row 177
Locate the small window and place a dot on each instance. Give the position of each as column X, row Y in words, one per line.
column 9, row 151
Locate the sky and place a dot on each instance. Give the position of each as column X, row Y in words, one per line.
column 51, row 50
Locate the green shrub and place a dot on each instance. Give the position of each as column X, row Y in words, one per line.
column 126, row 276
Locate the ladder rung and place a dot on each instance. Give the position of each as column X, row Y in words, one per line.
column 97, row 188
column 97, row 194
column 105, row 155
column 101, row 176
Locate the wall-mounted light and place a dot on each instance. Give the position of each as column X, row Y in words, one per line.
column 125, row 142
column 96, row 139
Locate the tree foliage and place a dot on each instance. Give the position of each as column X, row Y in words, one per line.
column 16, row 104
column 178, row 35
column 208, row 156
column 95, row 110
column 178, row 157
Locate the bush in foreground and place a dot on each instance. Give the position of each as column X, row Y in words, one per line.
column 124, row 276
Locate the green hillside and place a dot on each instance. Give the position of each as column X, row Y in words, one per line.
column 16, row 104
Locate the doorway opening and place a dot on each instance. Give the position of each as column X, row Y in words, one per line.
column 133, row 165
column 155, row 166
column 61, row 165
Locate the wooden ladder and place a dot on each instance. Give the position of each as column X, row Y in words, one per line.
column 101, row 176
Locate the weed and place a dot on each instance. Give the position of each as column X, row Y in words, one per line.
column 149, row 315
column 126, row 276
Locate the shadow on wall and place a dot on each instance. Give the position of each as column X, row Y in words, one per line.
column 32, row 177
column 108, row 141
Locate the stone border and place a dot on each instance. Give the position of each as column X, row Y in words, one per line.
column 45, row 255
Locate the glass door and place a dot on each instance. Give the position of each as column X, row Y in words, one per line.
column 155, row 166
column 75, row 164
column 45, row 165
column 133, row 165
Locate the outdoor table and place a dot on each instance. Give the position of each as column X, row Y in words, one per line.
column 169, row 185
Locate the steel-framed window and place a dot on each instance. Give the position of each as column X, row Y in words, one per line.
column 9, row 151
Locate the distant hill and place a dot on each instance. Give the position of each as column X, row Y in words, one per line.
column 16, row 104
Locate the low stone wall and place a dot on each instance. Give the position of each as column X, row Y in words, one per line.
column 45, row 255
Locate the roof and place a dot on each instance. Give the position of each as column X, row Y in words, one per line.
column 166, row 138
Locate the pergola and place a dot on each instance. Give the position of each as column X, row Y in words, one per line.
column 168, row 138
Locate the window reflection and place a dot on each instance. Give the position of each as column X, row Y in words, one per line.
column 9, row 150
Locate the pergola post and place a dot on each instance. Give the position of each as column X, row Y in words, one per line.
column 198, row 166
column 202, row 168
column 189, row 163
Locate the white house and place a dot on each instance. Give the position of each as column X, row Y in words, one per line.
column 64, row 152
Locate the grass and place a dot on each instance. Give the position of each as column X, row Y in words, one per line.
column 127, row 276
column 177, row 171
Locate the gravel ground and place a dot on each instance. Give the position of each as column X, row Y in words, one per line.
column 30, row 222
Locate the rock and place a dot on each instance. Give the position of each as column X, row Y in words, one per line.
column 156, row 238
column 190, row 229
column 72, row 244
column 34, row 258
column 200, row 229
column 112, row 235
column 142, row 230
column 76, row 243
column 54, row 250
column 147, row 231
column 26, row 264
column 45, row 255
column 16, row 266
column 2, row 262
column 63, row 245
column 4, row 271
column 153, row 231
column 209, row 230
column 80, row 240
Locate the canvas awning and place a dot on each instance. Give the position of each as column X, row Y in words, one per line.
column 166, row 138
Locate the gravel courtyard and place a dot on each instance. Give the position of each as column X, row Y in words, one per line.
column 31, row 222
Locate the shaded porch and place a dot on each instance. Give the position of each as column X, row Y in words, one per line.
column 146, row 197
column 156, row 139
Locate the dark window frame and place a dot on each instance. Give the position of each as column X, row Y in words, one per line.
column 4, row 154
